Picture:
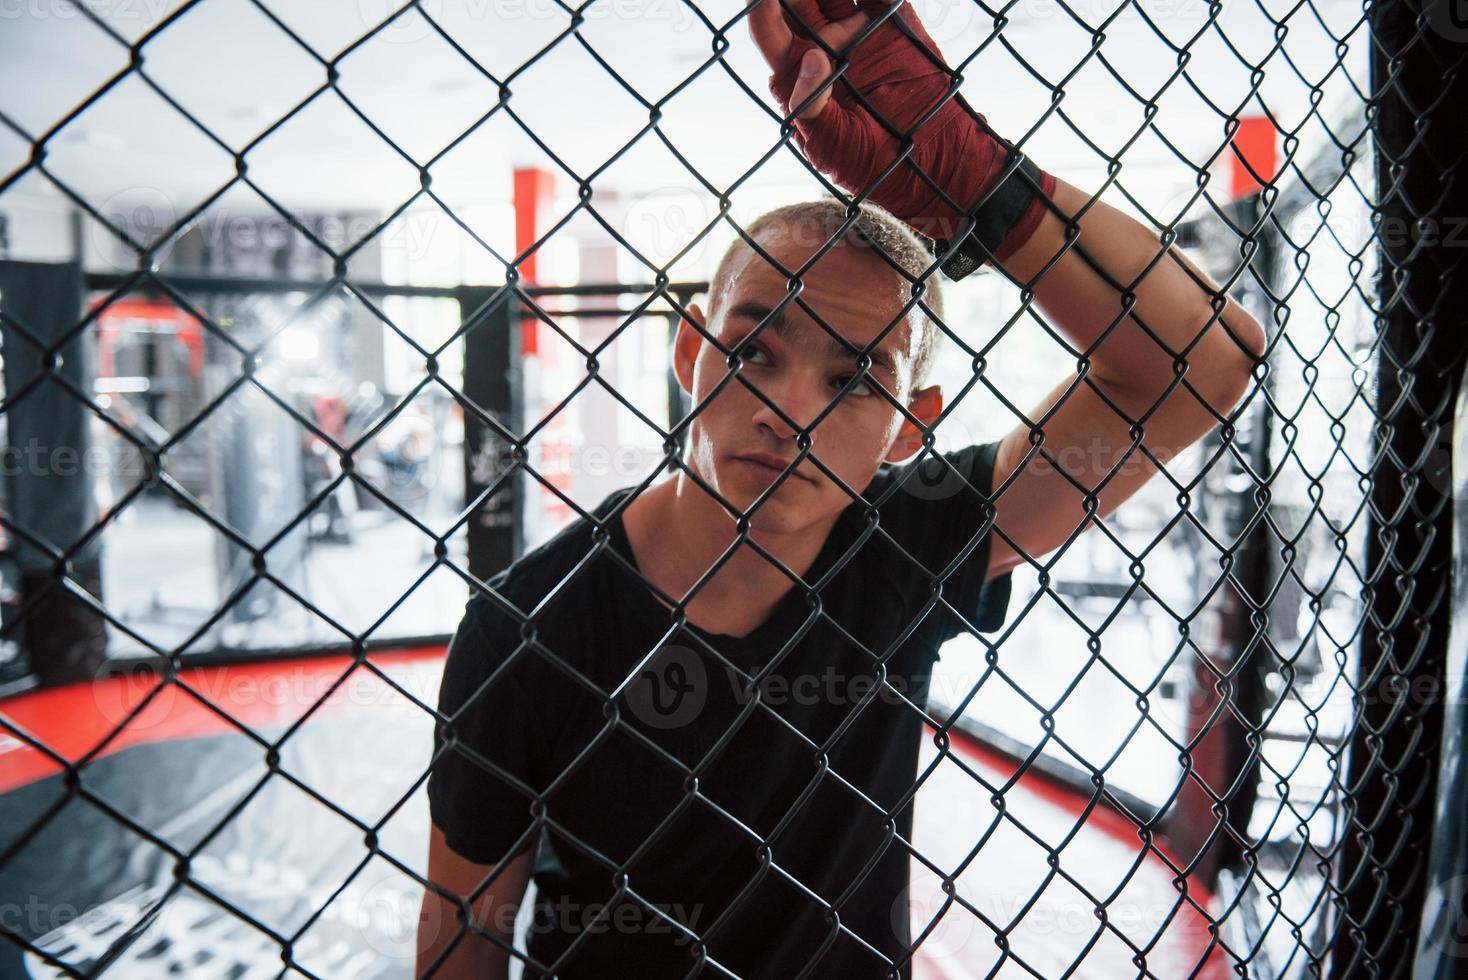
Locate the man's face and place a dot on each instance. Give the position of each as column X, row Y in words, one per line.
column 801, row 368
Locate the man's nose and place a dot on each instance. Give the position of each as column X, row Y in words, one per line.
column 797, row 396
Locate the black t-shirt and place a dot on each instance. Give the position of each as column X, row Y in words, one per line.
column 791, row 844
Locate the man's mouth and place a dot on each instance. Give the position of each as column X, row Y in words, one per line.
column 767, row 466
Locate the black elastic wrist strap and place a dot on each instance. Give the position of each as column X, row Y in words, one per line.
column 1003, row 208
column 1001, row 212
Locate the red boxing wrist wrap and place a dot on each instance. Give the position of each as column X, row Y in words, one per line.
column 954, row 147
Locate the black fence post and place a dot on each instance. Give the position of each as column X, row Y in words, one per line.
column 1419, row 73
column 1227, row 698
column 1247, row 613
column 1442, row 943
column 49, row 471
column 491, row 318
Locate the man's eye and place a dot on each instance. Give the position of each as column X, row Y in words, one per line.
column 862, row 389
column 748, row 351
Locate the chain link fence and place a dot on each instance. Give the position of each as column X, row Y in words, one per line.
column 1193, row 734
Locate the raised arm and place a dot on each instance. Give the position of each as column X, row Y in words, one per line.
column 1084, row 426
column 1130, row 309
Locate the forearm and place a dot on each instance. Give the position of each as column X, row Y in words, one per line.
column 473, row 957
column 1173, row 314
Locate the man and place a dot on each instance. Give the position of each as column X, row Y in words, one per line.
column 695, row 720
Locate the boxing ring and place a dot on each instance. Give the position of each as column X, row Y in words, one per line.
column 303, row 828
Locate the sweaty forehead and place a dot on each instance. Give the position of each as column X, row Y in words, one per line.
column 854, row 291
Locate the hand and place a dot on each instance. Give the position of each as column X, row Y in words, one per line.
column 900, row 72
column 787, row 48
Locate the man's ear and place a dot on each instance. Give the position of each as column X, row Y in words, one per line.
column 686, row 346
column 926, row 405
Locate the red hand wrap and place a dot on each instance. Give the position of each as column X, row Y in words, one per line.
column 902, row 83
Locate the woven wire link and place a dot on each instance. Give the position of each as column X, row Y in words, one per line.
column 1282, row 805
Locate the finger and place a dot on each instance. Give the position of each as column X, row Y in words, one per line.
column 815, row 68
column 841, row 143
column 807, row 17
column 770, row 31
column 837, row 9
column 905, row 20
column 838, row 35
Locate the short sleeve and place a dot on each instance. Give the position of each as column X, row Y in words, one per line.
column 484, row 813
column 934, row 510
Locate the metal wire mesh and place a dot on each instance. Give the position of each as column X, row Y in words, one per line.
column 1280, row 572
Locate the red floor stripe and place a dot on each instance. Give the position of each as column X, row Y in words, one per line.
column 74, row 720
